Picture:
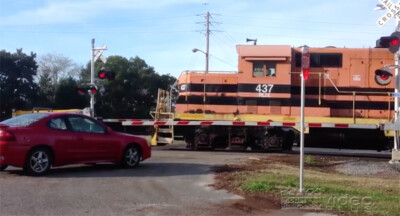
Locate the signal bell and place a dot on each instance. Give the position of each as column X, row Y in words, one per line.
column 392, row 42
column 383, row 76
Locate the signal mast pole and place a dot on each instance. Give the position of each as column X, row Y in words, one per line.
column 396, row 90
column 92, row 80
column 95, row 54
column 395, row 150
column 207, row 38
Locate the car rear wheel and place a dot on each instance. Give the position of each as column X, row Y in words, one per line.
column 3, row 167
column 131, row 157
column 38, row 162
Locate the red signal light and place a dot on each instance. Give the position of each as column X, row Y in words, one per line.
column 81, row 91
column 110, row 75
column 395, row 42
column 102, row 74
column 93, row 91
column 306, row 71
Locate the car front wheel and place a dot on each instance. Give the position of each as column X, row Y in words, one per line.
column 38, row 162
column 131, row 157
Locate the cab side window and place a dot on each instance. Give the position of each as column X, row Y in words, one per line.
column 57, row 123
column 81, row 124
column 258, row 68
column 264, row 68
column 270, row 68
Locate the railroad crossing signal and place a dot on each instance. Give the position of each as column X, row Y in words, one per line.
column 392, row 42
column 98, row 54
column 392, row 11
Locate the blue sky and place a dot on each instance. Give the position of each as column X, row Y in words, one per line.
column 163, row 32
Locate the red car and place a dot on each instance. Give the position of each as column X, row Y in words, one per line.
column 38, row 141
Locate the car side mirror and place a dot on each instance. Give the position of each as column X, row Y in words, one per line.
column 108, row 130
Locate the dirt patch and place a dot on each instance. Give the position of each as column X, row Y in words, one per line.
column 228, row 176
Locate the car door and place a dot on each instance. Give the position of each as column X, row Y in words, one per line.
column 93, row 142
column 62, row 140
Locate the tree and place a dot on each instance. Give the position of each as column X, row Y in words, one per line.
column 133, row 93
column 46, row 90
column 53, row 67
column 66, row 96
column 17, row 88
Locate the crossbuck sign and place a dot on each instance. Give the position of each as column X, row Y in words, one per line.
column 392, row 11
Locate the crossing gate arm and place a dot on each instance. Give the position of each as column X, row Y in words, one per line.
column 242, row 123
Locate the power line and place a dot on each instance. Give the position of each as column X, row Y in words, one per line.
column 271, row 20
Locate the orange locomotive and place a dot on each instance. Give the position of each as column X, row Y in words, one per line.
column 342, row 88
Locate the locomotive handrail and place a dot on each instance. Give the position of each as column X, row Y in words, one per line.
column 352, row 92
column 326, row 76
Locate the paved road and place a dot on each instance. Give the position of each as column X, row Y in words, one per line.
column 170, row 183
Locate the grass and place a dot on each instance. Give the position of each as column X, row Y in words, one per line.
column 327, row 191
column 310, row 160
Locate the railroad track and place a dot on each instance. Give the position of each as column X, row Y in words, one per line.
column 296, row 150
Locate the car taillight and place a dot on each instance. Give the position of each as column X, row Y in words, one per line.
column 6, row 136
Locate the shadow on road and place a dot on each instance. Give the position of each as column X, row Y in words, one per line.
column 112, row 170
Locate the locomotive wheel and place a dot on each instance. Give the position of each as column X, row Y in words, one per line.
column 270, row 141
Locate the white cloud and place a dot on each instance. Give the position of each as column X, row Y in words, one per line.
column 79, row 11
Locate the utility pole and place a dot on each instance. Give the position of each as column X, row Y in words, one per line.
column 207, row 38
column 207, row 55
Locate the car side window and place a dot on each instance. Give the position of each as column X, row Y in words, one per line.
column 81, row 124
column 57, row 123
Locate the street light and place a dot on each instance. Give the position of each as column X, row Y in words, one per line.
column 205, row 53
column 195, row 50
column 205, row 72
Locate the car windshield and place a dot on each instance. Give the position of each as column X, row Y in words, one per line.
column 24, row 120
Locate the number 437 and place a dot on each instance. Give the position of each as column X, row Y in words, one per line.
column 264, row 88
